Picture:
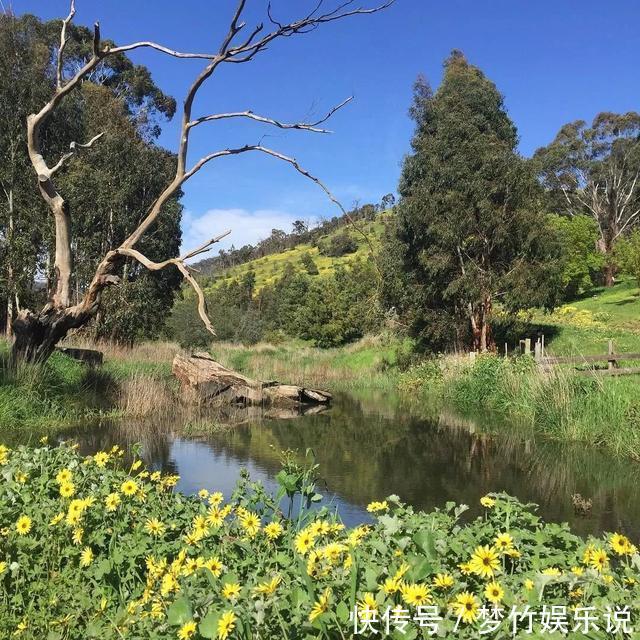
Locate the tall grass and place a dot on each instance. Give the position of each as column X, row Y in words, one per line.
column 60, row 391
column 367, row 364
column 557, row 402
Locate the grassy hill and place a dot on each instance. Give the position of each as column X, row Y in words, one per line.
column 271, row 267
column 585, row 325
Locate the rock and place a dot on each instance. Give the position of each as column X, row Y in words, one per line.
column 89, row 356
column 205, row 381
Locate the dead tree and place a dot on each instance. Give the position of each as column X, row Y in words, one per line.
column 37, row 333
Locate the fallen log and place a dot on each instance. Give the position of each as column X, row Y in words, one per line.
column 205, row 381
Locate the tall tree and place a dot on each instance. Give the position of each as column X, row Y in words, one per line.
column 38, row 332
column 596, row 171
column 469, row 233
column 106, row 196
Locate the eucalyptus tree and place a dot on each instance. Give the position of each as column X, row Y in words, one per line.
column 37, row 332
column 469, row 234
column 595, row 170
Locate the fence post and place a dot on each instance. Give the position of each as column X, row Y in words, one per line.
column 506, row 350
column 472, row 356
column 527, row 346
column 537, row 350
column 611, row 363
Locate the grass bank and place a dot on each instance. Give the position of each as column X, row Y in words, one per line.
column 62, row 391
column 600, row 411
column 367, row 364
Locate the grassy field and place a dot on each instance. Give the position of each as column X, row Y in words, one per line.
column 271, row 267
column 585, row 326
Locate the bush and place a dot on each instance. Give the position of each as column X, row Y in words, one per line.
column 92, row 550
column 339, row 245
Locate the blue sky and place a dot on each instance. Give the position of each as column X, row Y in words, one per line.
column 555, row 61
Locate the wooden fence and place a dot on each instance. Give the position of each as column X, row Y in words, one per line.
column 611, row 358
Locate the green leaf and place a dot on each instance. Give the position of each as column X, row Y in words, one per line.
column 209, row 625
column 342, row 612
column 179, row 612
column 425, row 541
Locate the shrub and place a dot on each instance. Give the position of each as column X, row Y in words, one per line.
column 93, row 549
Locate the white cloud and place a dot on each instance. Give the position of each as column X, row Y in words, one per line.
column 247, row 227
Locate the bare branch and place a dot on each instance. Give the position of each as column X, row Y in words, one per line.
column 74, row 147
column 180, row 264
column 158, row 47
column 311, row 126
column 63, row 43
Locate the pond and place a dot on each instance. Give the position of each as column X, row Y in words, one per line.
column 371, row 447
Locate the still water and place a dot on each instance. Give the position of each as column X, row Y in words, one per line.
column 371, row 447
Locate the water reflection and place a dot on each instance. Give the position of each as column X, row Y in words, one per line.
column 368, row 448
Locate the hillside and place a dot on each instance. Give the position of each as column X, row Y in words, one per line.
column 270, row 267
column 584, row 326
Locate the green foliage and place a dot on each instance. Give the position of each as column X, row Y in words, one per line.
column 338, row 245
column 309, row 264
column 123, row 555
column 581, row 261
column 328, row 311
column 107, row 188
column 627, row 254
column 469, row 233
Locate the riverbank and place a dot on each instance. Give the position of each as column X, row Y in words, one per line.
column 132, row 382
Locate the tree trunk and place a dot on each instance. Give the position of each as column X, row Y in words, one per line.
column 609, row 274
column 37, row 334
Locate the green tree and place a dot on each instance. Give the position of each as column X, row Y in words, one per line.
column 580, row 261
column 469, row 232
column 595, row 171
column 309, row 265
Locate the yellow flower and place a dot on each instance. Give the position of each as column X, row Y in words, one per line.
column 4, row 454
column 250, row 523
column 493, row 592
column 273, row 530
column 484, row 561
column 578, row 571
column 374, row 507
column 23, row 525
column 214, row 565
column 621, row 545
column 215, row 498
column 608, row 579
column 231, row 590
column 599, row 559
column 367, row 606
column 3, row 567
column 215, row 517
column 391, row 585
column 86, row 557
column 21, row 477
column 154, row 527
column 487, row 502
column 503, row 542
column 63, row 476
column 226, row 624
column 200, row 527
column 112, row 501
column 136, row 465
column 57, row 519
column 586, row 556
column 78, row 532
column 465, row 568
column 187, row 630
column 67, row 489
column 443, row 581
column 203, row 493
column 416, row 594
column 466, row 607
column 304, row 541
column 101, row 458
column 168, row 585
column 321, row 606
column 552, row 571
column 268, row 588
column 155, row 476
column 356, row 535
column 576, row 594
column 129, row 487
column 528, row 584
